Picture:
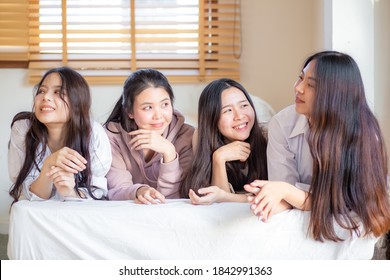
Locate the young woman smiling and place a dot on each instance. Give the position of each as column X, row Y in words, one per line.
column 57, row 151
column 229, row 145
column 151, row 144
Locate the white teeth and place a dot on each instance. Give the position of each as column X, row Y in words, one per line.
column 240, row 126
column 47, row 109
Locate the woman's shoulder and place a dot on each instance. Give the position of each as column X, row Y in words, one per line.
column 98, row 130
column 113, row 129
column 99, row 136
column 287, row 117
column 286, row 113
column 97, row 127
column 21, row 125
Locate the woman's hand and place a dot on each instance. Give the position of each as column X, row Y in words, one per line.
column 148, row 139
column 267, row 198
column 149, row 195
column 67, row 159
column 236, row 150
column 209, row 195
column 63, row 181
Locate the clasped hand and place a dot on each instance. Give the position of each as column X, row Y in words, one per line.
column 148, row 139
column 266, row 198
column 62, row 166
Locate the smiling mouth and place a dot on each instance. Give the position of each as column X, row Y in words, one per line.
column 47, row 109
column 157, row 125
column 241, row 126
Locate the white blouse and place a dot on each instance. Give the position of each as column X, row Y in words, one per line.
column 100, row 152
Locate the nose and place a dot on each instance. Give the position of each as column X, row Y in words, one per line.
column 238, row 114
column 157, row 114
column 298, row 87
column 48, row 96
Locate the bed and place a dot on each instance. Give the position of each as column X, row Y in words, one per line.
column 176, row 230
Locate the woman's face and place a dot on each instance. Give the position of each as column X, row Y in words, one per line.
column 305, row 90
column 49, row 108
column 152, row 110
column 237, row 115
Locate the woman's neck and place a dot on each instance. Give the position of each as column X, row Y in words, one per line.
column 56, row 137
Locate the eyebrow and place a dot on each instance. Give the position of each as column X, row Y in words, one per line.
column 148, row 103
column 242, row 101
column 310, row 78
column 45, row 86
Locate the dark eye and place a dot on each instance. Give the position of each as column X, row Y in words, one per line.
column 228, row 110
column 166, row 104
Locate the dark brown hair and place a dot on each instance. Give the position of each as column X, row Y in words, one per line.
column 349, row 182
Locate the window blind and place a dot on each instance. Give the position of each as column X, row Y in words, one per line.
column 13, row 33
column 187, row 40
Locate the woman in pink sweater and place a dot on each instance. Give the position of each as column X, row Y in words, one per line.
column 151, row 144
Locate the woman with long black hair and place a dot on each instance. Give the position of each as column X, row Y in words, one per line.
column 57, row 151
column 327, row 154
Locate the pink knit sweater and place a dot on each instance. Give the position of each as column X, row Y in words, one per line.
column 129, row 171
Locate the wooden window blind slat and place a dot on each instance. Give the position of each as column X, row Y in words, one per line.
column 193, row 40
column 13, row 32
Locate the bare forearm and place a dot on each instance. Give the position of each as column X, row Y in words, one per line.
column 296, row 197
column 219, row 176
column 234, row 197
column 42, row 186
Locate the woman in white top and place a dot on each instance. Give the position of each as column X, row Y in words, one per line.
column 334, row 145
column 56, row 151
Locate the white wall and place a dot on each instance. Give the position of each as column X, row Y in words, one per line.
column 382, row 66
column 353, row 33
column 361, row 28
column 278, row 36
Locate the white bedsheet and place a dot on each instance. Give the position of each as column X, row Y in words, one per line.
column 175, row 230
